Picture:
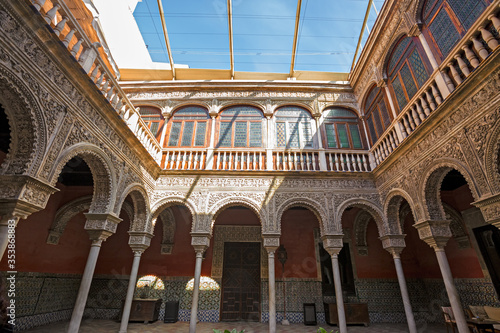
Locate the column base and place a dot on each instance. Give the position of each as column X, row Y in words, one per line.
column 285, row 322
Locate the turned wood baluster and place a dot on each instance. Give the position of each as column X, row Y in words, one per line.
column 419, row 111
column 76, row 47
column 67, row 39
column 427, row 111
column 51, row 14
column 463, row 66
column 403, row 129
column 454, row 73
column 470, row 56
column 481, row 50
column 39, row 4
column 436, row 94
column 430, row 98
column 488, row 38
column 60, row 26
column 496, row 22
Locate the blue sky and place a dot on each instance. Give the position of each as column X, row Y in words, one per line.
column 262, row 33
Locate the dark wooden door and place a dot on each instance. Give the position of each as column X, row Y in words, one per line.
column 241, row 282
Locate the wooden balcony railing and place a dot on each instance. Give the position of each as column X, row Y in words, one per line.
column 66, row 27
column 479, row 42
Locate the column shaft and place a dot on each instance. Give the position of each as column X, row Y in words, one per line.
column 130, row 292
column 452, row 291
column 83, row 292
column 412, row 326
column 338, row 293
column 272, row 294
column 196, row 291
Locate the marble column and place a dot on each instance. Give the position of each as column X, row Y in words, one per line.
column 8, row 225
column 333, row 245
column 99, row 227
column 139, row 242
column 490, row 208
column 200, row 243
column 395, row 244
column 436, row 234
column 271, row 244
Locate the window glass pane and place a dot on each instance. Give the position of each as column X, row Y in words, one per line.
column 225, row 134
column 343, row 138
column 191, row 112
column 330, row 136
column 293, row 139
column 154, row 128
column 371, row 129
column 240, row 134
column 430, row 6
column 242, row 113
column 408, row 81
column 398, row 90
column 385, row 113
column 371, row 97
column 397, row 53
column 444, row 32
column 187, row 134
column 340, row 113
column 306, row 135
column 280, row 135
column 255, row 134
column 418, row 68
column 149, row 111
column 356, row 138
column 201, row 130
column 175, row 132
column 467, row 11
column 378, row 124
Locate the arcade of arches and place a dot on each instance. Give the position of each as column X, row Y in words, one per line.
column 384, row 190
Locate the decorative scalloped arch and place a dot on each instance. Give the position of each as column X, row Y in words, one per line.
column 373, row 208
column 360, row 224
column 160, row 205
column 430, row 189
column 222, row 204
column 140, row 203
column 392, row 208
column 64, row 214
column 310, row 204
column 103, row 174
column 457, row 226
column 492, row 157
column 27, row 126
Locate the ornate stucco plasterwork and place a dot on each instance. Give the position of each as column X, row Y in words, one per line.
column 64, row 215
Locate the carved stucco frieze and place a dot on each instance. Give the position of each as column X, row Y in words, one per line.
column 435, row 233
column 64, row 215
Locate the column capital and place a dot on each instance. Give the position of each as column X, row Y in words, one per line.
column 271, row 242
column 139, row 241
column 98, row 236
column 490, row 207
column 200, row 242
column 394, row 244
column 333, row 243
column 22, row 195
column 102, row 222
column 415, row 30
column 435, row 233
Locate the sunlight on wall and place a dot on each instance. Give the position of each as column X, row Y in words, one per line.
column 150, row 281
column 206, row 283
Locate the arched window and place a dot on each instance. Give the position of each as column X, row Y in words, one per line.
column 447, row 21
column 153, row 118
column 293, row 127
column 240, row 127
column 341, row 129
column 377, row 115
column 188, row 127
column 407, row 71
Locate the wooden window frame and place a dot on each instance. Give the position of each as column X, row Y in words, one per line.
column 172, row 120
column 396, row 72
column 235, row 120
column 354, row 120
column 374, row 106
column 454, row 19
column 149, row 119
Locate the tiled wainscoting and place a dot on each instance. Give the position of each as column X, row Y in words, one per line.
column 44, row 298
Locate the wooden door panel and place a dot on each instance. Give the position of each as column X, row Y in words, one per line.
column 241, row 282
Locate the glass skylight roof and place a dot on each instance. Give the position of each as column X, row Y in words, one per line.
column 263, row 33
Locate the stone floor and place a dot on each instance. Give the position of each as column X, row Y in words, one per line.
column 105, row 326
